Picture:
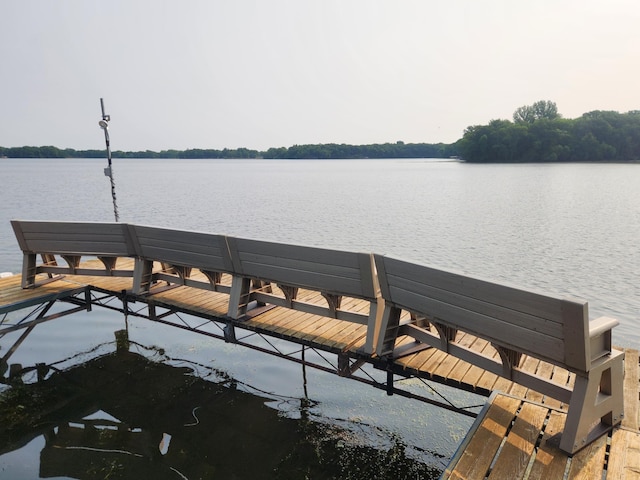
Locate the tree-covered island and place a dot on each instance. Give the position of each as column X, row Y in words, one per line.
column 537, row 133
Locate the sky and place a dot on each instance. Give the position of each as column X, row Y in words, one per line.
column 258, row 74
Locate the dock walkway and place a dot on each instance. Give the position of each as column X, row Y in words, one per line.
column 509, row 437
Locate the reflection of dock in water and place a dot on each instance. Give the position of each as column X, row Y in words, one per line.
column 152, row 402
column 122, row 413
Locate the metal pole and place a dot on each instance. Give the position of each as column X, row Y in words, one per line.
column 104, row 124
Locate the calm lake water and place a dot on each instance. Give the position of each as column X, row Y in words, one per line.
column 568, row 229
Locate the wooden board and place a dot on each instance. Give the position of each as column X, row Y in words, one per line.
column 517, row 439
column 477, row 454
column 631, row 390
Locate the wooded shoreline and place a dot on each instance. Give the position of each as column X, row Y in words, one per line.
column 538, row 133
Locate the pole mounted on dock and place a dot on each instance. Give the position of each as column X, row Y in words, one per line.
column 104, row 124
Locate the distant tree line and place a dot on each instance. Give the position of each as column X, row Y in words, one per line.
column 326, row 151
column 385, row 150
column 53, row 152
column 539, row 134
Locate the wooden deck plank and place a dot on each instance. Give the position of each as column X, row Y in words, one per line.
column 204, row 301
column 413, row 362
column 545, row 370
column 550, row 462
column 275, row 319
column 307, row 326
column 624, row 456
column 462, row 368
column 321, row 329
column 433, row 362
column 562, row 377
column 480, row 452
column 337, row 331
column 631, row 390
column 475, row 373
column 299, row 325
column 346, row 337
column 589, row 462
column 529, row 364
column 521, row 441
column 443, row 370
column 283, row 321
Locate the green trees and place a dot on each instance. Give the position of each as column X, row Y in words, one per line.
column 319, row 151
column 385, row 150
column 539, row 134
column 543, row 109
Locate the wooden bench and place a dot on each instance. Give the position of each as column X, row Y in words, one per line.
column 333, row 273
column 179, row 252
column 254, row 266
column 516, row 322
column 71, row 241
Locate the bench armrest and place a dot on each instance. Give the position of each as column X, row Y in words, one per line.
column 600, row 336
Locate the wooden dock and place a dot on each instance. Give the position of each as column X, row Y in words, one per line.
column 510, row 436
column 562, row 388
column 516, row 438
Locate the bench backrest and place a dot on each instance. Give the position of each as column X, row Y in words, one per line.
column 74, row 238
column 184, row 248
column 545, row 327
column 329, row 271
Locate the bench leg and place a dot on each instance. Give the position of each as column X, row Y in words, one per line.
column 597, row 403
column 382, row 329
column 29, row 270
column 142, row 276
column 239, row 297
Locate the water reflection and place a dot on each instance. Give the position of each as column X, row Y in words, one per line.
column 123, row 416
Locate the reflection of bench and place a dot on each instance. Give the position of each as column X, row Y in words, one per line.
column 515, row 322
column 71, row 241
column 333, row 273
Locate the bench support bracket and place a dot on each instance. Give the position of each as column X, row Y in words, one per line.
column 597, row 399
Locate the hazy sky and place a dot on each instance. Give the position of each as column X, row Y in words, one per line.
column 259, row 74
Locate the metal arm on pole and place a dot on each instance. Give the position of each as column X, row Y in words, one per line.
column 104, row 124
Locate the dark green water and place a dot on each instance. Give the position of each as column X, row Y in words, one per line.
column 122, row 416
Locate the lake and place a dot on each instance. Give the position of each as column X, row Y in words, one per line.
column 564, row 229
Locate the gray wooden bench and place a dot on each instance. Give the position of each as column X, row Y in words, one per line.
column 516, row 322
column 333, row 273
column 179, row 252
column 71, row 241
